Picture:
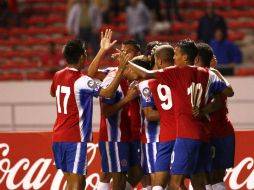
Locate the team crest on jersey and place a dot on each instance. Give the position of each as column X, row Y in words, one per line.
column 147, row 94
column 92, row 84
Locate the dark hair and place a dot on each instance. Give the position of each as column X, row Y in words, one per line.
column 150, row 46
column 166, row 53
column 73, row 50
column 189, row 48
column 206, row 53
column 142, row 63
column 133, row 43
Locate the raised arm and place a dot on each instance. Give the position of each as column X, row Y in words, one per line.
column 105, row 45
column 110, row 90
column 142, row 72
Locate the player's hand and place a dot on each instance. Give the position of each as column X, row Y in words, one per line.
column 134, row 84
column 196, row 112
column 106, row 43
column 123, row 60
column 115, row 56
column 132, row 93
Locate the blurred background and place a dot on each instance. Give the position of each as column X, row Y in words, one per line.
column 32, row 33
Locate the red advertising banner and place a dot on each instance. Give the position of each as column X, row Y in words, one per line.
column 26, row 162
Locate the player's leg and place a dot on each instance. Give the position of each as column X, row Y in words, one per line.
column 146, row 182
column 135, row 172
column 76, row 164
column 162, row 164
column 149, row 153
column 62, row 151
column 68, row 181
column 78, row 182
column 223, row 159
column 104, row 183
column 119, row 180
column 114, row 162
column 176, row 182
column 200, row 178
column 184, row 161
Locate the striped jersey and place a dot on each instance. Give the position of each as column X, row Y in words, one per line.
column 74, row 102
column 115, row 128
column 150, row 129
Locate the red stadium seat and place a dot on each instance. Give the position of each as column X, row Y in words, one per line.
column 11, row 76
column 42, row 75
column 244, row 72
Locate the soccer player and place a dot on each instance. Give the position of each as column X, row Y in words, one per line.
column 222, row 131
column 159, row 137
column 73, row 126
column 189, row 87
column 115, row 132
column 132, row 49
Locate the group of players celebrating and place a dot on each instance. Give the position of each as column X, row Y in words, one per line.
column 163, row 116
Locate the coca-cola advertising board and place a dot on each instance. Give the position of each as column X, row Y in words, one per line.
column 26, row 162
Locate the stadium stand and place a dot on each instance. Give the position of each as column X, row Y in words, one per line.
column 43, row 21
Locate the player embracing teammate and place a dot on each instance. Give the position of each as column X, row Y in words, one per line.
column 172, row 132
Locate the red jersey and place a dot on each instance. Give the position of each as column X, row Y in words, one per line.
column 135, row 119
column 74, row 102
column 165, row 106
column 220, row 124
column 115, row 128
column 190, row 86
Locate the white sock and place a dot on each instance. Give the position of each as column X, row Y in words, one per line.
column 208, row 187
column 128, row 186
column 147, row 188
column 219, row 186
column 103, row 186
column 158, row 188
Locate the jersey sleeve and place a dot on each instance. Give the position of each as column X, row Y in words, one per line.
column 105, row 83
column 88, row 85
column 166, row 76
column 215, row 84
column 146, row 96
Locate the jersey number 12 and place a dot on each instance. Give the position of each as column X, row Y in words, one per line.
column 65, row 90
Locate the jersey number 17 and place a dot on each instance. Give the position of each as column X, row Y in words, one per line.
column 65, row 90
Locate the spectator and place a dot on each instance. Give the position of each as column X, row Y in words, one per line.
column 9, row 9
column 154, row 5
column 226, row 52
column 52, row 59
column 138, row 20
column 208, row 23
column 84, row 22
column 172, row 5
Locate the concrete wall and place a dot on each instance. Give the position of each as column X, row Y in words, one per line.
column 27, row 106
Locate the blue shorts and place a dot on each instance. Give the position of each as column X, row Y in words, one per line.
column 114, row 156
column 163, row 157
column 185, row 155
column 148, row 157
column 135, row 153
column 204, row 159
column 224, row 152
column 71, row 156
